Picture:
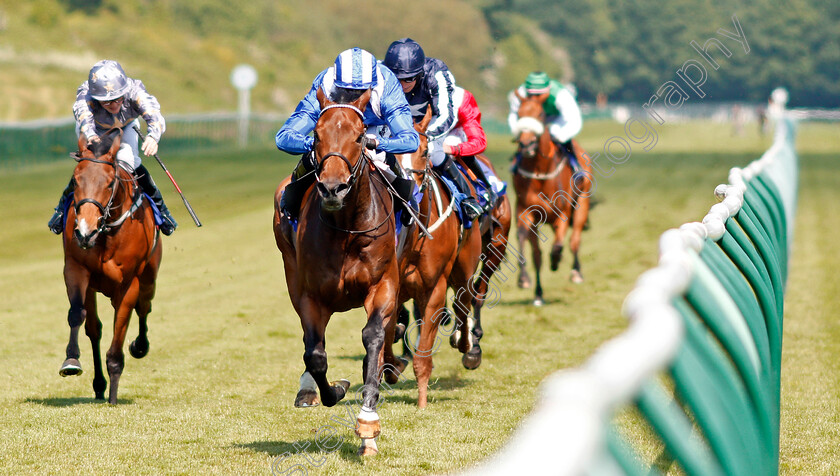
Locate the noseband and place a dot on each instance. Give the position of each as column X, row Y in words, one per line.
column 354, row 169
column 105, row 210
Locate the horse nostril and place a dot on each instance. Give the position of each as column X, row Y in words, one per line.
column 322, row 189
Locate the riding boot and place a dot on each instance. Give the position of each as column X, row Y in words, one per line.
column 478, row 170
column 469, row 205
column 56, row 223
column 569, row 150
column 302, row 178
column 149, row 188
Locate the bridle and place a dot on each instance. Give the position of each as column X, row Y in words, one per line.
column 355, row 170
column 532, row 150
column 105, row 210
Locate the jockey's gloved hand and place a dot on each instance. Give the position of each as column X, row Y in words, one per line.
column 371, row 141
column 93, row 140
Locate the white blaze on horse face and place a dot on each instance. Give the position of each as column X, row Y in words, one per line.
column 84, row 228
column 405, row 160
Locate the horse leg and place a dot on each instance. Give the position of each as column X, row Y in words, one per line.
column 522, row 235
column 123, row 303
column 561, row 226
column 314, row 319
column 581, row 215
column 536, row 255
column 139, row 347
column 76, row 279
column 93, row 329
column 395, row 366
column 380, row 306
column 432, row 315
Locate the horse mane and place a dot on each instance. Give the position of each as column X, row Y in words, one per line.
column 106, row 140
column 346, row 95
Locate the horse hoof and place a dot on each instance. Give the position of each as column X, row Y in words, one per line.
column 368, row 447
column 472, row 359
column 70, row 367
column 538, row 301
column 340, row 386
column 136, row 351
column 576, row 277
column 524, row 282
column 100, row 395
column 307, row 399
column 399, row 365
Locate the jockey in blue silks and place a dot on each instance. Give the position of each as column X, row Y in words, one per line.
column 387, row 116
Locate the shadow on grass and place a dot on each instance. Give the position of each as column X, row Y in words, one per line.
column 288, row 455
column 526, row 302
column 69, row 402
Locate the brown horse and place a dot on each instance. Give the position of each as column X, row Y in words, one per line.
column 494, row 240
column 343, row 256
column 112, row 248
column 547, row 191
column 432, row 264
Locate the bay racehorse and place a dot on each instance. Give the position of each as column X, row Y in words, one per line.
column 111, row 246
column 494, row 240
column 342, row 255
column 547, row 191
column 445, row 258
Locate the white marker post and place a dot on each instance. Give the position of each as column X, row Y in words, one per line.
column 244, row 77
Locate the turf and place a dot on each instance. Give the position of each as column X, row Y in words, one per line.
column 215, row 393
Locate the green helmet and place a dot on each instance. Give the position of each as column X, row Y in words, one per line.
column 537, row 83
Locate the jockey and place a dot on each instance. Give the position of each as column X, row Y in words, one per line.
column 110, row 99
column 468, row 139
column 428, row 82
column 561, row 110
column 354, row 72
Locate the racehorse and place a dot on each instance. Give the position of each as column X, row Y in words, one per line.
column 342, row 256
column 547, row 191
column 113, row 248
column 446, row 257
column 494, row 241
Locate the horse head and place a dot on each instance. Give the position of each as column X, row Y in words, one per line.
column 339, row 134
column 531, row 124
column 417, row 162
column 96, row 186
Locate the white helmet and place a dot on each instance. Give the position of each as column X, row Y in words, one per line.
column 107, row 81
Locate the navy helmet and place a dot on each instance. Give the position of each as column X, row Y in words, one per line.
column 355, row 69
column 107, row 81
column 405, row 58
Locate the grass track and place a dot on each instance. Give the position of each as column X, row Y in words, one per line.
column 215, row 393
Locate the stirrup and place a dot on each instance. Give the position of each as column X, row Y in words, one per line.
column 471, row 208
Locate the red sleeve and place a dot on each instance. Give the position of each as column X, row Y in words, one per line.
column 469, row 118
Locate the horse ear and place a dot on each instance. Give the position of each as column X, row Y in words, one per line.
column 115, row 145
column 82, row 143
column 424, row 123
column 543, row 97
column 322, row 97
column 363, row 100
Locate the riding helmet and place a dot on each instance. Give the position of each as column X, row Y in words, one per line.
column 107, row 81
column 355, row 69
column 537, row 83
column 405, row 58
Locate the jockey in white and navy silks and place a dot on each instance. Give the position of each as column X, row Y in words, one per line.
column 110, row 99
column 428, row 82
column 355, row 69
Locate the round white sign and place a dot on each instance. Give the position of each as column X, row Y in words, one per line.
column 244, row 76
